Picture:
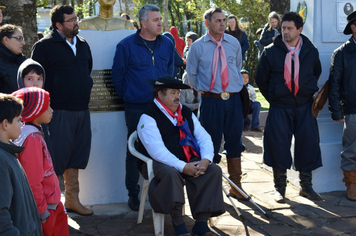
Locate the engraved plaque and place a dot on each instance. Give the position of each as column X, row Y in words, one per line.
column 103, row 94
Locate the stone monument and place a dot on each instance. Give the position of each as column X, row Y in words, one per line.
column 103, row 180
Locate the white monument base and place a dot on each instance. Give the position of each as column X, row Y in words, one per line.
column 103, row 181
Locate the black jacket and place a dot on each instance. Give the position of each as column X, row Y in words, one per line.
column 266, row 35
column 67, row 76
column 270, row 74
column 342, row 81
column 9, row 64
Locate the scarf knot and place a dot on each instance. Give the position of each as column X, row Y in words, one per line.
column 288, row 66
column 187, row 140
column 224, row 74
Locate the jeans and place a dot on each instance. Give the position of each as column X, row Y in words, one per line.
column 255, row 109
column 132, row 116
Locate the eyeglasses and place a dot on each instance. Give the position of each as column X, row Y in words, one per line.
column 19, row 38
column 71, row 20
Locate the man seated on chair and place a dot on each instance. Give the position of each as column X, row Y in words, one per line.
column 182, row 153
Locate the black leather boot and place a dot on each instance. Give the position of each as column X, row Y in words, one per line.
column 307, row 190
column 280, row 184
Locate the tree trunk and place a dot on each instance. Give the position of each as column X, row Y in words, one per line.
column 166, row 15
column 22, row 13
column 80, row 9
column 280, row 6
column 127, row 8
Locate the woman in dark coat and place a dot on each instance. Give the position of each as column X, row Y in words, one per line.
column 272, row 29
column 234, row 30
column 11, row 56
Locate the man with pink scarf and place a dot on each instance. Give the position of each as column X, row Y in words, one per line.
column 213, row 68
column 287, row 75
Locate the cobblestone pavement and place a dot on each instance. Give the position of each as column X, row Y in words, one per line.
column 298, row 216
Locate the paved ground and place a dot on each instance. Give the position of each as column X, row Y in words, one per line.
column 298, row 216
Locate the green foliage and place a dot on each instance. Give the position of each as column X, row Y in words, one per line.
column 254, row 11
column 262, row 100
column 42, row 3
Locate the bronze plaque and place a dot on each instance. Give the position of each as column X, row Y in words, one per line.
column 103, row 94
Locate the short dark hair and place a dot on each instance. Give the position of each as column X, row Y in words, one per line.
column 295, row 17
column 57, row 14
column 8, row 30
column 157, row 88
column 209, row 13
column 36, row 68
column 10, row 107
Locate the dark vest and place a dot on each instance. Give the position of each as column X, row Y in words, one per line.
column 169, row 132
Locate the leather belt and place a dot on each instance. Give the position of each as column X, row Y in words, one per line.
column 223, row 95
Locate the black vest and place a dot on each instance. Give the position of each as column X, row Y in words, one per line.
column 170, row 133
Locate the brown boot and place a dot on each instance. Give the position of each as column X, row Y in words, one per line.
column 234, row 169
column 72, row 203
column 350, row 183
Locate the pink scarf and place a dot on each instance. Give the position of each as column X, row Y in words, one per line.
column 288, row 67
column 224, row 75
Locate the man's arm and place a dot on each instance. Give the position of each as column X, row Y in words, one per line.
column 335, row 80
column 39, row 54
column 6, row 190
column 170, row 69
column 119, row 69
column 151, row 139
column 192, row 65
column 263, row 74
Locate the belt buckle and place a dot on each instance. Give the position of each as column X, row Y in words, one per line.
column 225, row 95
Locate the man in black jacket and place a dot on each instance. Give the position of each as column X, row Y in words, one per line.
column 342, row 102
column 287, row 76
column 67, row 61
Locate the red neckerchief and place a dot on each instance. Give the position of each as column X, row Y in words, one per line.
column 186, row 148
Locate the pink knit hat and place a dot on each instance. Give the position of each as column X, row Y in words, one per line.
column 35, row 102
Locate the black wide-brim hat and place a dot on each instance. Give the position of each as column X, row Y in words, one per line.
column 168, row 81
column 350, row 19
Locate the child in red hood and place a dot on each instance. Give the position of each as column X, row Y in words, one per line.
column 180, row 44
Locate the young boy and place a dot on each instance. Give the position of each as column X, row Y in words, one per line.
column 255, row 106
column 18, row 213
column 37, row 161
column 32, row 74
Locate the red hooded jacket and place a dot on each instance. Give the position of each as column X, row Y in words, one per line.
column 180, row 44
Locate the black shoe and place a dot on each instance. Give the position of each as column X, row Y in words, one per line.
column 307, row 190
column 134, row 203
column 309, row 193
column 257, row 129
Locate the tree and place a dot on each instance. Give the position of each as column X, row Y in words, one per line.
column 280, row 6
column 253, row 14
column 22, row 13
column 165, row 13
